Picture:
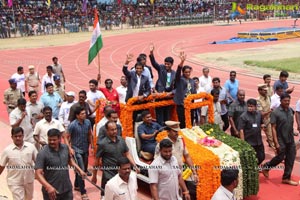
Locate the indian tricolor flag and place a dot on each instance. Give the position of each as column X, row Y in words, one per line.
column 96, row 41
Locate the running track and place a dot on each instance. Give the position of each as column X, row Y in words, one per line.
column 192, row 40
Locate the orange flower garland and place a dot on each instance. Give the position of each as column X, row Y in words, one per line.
column 99, row 115
column 189, row 105
column 206, row 163
column 150, row 103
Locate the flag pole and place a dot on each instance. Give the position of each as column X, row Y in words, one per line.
column 99, row 66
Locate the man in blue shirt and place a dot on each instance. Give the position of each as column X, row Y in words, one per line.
column 232, row 86
column 283, row 82
column 78, row 138
column 147, row 132
column 52, row 99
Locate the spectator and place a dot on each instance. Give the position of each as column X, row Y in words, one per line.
column 81, row 103
column 232, row 86
column 223, row 96
column 42, row 127
column 52, row 99
column 275, row 98
column 111, row 95
column 124, row 184
column 20, row 79
column 165, row 175
column 217, row 110
column 47, row 78
column 35, row 108
column 57, row 70
column 92, row 96
column 20, row 117
column 78, row 138
column 267, row 81
column 205, row 80
column 122, row 90
column 283, row 76
column 21, row 156
column 229, row 181
column 64, row 110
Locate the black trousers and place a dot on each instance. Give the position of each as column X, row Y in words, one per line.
column 288, row 154
column 260, row 153
column 226, row 121
column 163, row 114
column 180, row 115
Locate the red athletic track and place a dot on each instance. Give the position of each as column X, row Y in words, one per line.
column 167, row 43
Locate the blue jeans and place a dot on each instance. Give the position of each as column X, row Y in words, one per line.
column 82, row 162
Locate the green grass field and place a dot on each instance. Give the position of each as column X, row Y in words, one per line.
column 287, row 64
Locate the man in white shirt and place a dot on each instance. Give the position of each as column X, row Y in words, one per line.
column 92, row 96
column 229, row 181
column 47, row 78
column 42, row 127
column 20, row 117
column 34, row 107
column 19, row 158
column 124, row 184
column 20, row 78
column 165, row 175
column 205, row 80
column 275, row 98
column 217, row 110
column 64, row 110
column 122, row 90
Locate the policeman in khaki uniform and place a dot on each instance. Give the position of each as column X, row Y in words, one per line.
column 263, row 105
column 32, row 80
column 11, row 95
column 179, row 151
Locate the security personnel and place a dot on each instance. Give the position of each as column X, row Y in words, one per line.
column 263, row 105
column 11, row 95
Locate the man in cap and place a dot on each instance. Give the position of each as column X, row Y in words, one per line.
column 179, row 150
column 263, row 105
column 20, row 79
column 64, row 110
column 32, row 80
column 11, row 95
column 58, row 86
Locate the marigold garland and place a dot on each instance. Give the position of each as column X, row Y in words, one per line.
column 205, row 162
column 128, row 109
column 189, row 105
